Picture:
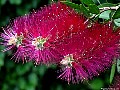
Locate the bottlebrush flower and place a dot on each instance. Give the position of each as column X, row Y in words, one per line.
column 88, row 52
column 48, row 25
column 14, row 37
column 42, row 28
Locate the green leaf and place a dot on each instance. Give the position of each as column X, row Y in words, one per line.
column 68, row 0
column 59, row 87
column 87, row 2
column 2, row 56
column 94, row 9
column 33, row 79
column 85, row 10
column 34, row 3
column 2, row 2
column 118, row 64
column 22, row 10
column 106, row 5
column 42, row 70
column 117, row 22
column 112, row 71
column 5, row 86
column 72, row 5
column 111, row 14
column 21, row 83
column 22, row 69
column 96, row 84
column 117, row 14
column 29, row 87
column 16, row 2
column 105, row 14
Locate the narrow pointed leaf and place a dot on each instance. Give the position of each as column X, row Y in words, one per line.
column 72, row 5
column 85, row 11
column 94, row 9
column 112, row 71
column 87, row 2
column 117, row 23
column 106, row 5
column 118, row 65
column 117, row 14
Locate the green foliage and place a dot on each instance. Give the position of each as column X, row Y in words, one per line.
column 16, row 2
column 118, row 65
column 113, row 71
column 117, row 14
column 106, row 5
column 90, row 9
column 22, row 69
column 84, row 10
column 32, row 79
column 87, row 2
column 2, row 2
column 72, row 5
column 117, row 22
column 96, row 84
column 93, row 9
column 105, row 15
column 2, row 57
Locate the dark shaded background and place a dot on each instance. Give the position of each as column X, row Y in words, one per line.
column 18, row 76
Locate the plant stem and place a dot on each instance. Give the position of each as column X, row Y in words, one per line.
column 109, row 8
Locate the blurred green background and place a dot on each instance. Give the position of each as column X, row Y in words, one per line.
column 18, row 76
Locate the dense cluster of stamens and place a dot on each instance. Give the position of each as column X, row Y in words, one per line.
column 84, row 51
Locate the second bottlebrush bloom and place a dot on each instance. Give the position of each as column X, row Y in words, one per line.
column 88, row 53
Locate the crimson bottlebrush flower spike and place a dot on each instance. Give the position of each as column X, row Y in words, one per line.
column 14, row 38
column 41, row 28
column 57, row 34
column 88, row 52
column 48, row 25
